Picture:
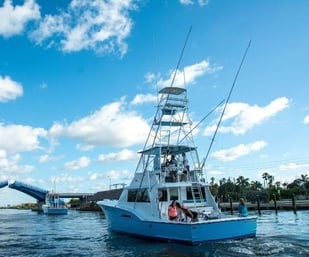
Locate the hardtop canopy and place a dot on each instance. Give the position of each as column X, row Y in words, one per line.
column 166, row 150
column 172, row 90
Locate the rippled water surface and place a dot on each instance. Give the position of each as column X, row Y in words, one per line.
column 27, row 233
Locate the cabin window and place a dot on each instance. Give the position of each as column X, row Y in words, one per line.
column 162, row 195
column 174, row 193
column 203, row 192
column 189, row 193
column 136, row 195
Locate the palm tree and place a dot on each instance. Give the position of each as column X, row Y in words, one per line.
column 243, row 183
column 265, row 176
column 212, row 181
column 256, row 185
column 270, row 180
column 284, row 184
column 304, row 179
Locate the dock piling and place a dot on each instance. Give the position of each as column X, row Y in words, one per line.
column 293, row 203
column 275, row 203
column 231, row 205
column 258, row 204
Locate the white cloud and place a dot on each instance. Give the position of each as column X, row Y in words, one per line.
column 43, row 85
column 123, row 155
column 62, row 178
column 186, row 2
column 44, row 158
column 292, row 166
column 238, row 151
column 306, row 119
column 147, row 98
column 188, row 75
column 203, row 2
column 47, row 158
column 118, row 175
column 150, row 77
column 112, row 125
column 245, row 117
column 16, row 138
column 97, row 25
column 13, row 19
column 9, row 164
column 96, row 176
column 82, row 162
column 109, row 178
column 9, row 89
column 191, row 2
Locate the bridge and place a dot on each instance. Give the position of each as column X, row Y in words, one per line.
column 39, row 193
column 35, row 192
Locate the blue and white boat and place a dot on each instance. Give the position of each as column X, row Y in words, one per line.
column 54, row 205
column 143, row 207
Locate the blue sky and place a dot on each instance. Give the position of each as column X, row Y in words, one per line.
column 78, row 81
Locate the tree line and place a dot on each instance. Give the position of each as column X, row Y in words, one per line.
column 242, row 187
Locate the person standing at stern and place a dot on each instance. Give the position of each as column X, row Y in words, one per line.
column 242, row 208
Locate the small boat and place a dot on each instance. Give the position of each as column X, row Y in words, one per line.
column 54, row 205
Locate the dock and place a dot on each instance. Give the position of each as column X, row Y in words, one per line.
column 287, row 205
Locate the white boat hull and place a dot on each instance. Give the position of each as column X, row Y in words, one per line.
column 54, row 211
column 123, row 221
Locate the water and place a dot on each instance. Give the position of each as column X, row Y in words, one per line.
column 27, row 233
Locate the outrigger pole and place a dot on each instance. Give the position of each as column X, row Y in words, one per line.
column 225, row 105
column 180, row 57
column 210, row 112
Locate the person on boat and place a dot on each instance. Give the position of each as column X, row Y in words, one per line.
column 186, row 167
column 173, row 211
column 242, row 208
column 173, row 167
column 187, row 212
column 156, row 163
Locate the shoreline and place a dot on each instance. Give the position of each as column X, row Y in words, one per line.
column 286, row 205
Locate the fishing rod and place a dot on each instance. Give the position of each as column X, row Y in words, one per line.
column 225, row 105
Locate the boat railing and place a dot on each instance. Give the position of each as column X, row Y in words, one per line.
column 203, row 212
column 172, row 173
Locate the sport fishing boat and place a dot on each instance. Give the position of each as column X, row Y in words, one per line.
column 54, row 205
column 170, row 170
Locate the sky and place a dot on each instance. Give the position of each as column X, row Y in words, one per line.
column 78, row 84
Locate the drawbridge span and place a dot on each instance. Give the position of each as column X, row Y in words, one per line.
column 35, row 192
column 39, row 193
column 3, row 183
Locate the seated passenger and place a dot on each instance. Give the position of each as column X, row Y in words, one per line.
column 172, row 211
column 189, row 213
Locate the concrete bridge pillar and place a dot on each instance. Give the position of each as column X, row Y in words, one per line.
column 39, row 204
column 83, row 201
